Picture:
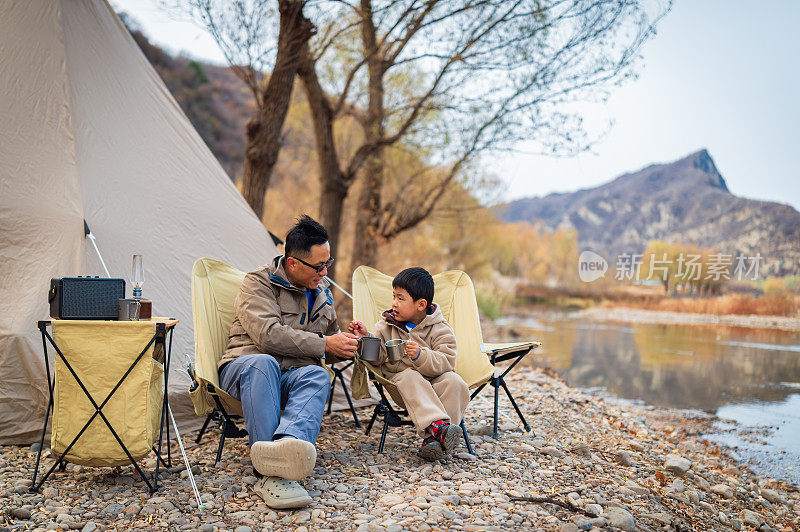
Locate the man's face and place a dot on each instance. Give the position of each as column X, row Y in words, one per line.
column 304, row 276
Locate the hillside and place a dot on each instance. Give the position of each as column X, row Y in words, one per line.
column 684, row 201
column 216, row 102
column 219, row 104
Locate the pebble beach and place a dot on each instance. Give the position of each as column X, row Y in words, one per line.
column 587, row 464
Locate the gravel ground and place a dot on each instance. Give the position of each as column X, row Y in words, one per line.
column 587, row 464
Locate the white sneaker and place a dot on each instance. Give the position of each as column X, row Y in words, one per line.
column 287, row 458
column 280, row 493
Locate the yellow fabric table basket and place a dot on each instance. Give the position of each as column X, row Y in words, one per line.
column 101, row 352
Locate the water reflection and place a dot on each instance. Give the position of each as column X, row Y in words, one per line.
column 676, row 366
column 749, row 376
column 770, row 439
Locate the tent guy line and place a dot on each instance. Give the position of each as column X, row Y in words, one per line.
column 88, row 233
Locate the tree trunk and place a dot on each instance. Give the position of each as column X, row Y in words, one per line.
column 333, row 182
column 264, row 129
column 366, row 237
column 331, row 207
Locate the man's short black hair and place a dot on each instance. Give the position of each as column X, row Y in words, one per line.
column 306, row 232
column 417, row 282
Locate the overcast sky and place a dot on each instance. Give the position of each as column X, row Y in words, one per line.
column 720, row 74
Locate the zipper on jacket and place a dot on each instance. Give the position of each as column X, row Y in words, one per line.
column 316, row 313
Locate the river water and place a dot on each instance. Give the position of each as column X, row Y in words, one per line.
column 749, row 378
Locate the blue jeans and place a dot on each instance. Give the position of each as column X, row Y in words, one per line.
column 257, row 381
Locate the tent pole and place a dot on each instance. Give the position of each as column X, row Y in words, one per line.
column 88, row 232
column 339, row 287
column 200, row 504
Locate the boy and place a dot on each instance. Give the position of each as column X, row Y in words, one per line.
column 434, row 395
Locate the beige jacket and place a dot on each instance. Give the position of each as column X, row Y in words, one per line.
column 434, row 335
column 271, row 316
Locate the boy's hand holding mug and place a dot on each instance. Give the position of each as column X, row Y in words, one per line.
column 412, row 349
column 358, row 329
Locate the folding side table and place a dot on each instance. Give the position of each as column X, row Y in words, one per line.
column 503, row 353
column 162, row 338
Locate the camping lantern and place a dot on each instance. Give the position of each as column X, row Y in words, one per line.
column 137, row 276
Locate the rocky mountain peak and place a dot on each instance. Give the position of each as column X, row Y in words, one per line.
column 701, row 160
column 684, row 201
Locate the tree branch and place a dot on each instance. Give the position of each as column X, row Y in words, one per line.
column 564, row 504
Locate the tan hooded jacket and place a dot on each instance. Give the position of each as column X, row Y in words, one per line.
column 271, row 316
column 434, row 335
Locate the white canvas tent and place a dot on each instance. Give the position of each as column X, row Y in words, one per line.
column 89, row 131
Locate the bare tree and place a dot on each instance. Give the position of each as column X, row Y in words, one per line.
column 446, row 80
column 255, row 40
column 453, row 80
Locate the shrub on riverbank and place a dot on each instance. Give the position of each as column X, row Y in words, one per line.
column 782, row 304
column 775, row 302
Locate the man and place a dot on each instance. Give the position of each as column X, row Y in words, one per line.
column 284, row 325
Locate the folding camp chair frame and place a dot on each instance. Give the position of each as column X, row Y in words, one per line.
column 338, row 373
column 515, row 353
column 394, row 418
column 459, row 292
column 226, row 422
column 159, row 337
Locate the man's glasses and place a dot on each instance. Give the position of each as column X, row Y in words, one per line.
column 315, row 268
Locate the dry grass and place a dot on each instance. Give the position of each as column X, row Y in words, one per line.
column 773, row 305
column 783, row 303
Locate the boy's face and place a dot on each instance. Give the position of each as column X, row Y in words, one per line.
column 405, row 308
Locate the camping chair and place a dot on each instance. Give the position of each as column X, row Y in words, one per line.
column 338, row 373
column 475, row 363
column 214, row 288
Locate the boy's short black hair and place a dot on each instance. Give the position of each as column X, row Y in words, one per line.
column 306, row 232
column 417, row 282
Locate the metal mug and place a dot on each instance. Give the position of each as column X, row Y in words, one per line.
column 129, row 309
column 396, row 349
column 369, row 348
